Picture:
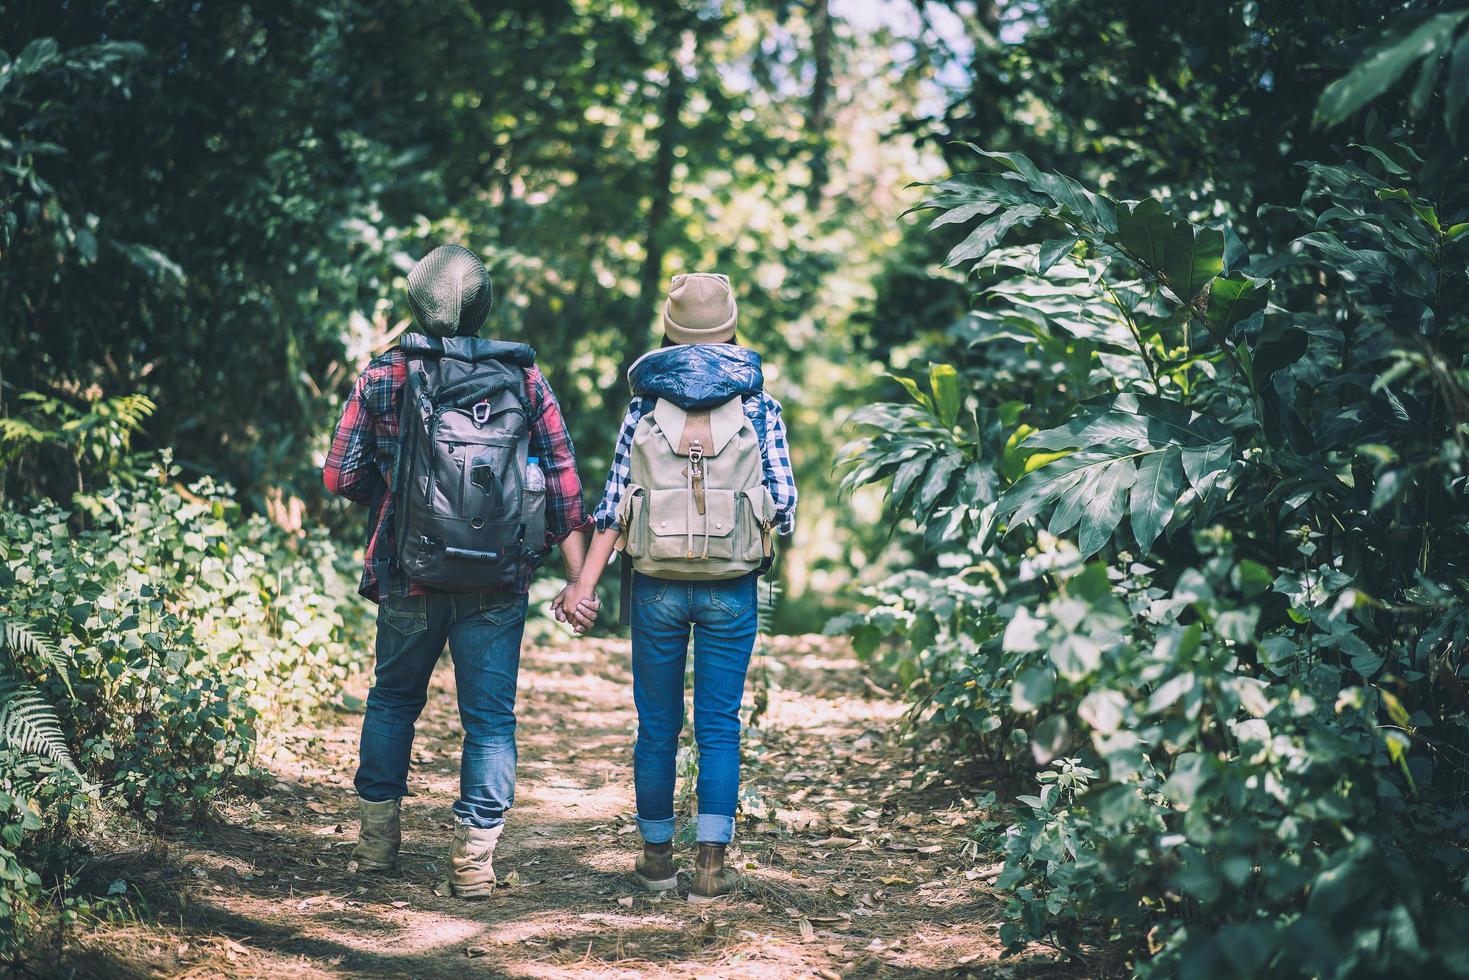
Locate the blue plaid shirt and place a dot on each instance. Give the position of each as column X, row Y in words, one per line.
column 762, row 410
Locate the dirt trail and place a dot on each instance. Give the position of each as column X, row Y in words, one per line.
column 850, row 870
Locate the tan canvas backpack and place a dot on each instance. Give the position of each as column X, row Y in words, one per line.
column 696, row 506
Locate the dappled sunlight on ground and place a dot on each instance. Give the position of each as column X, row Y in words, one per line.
column 856, row 859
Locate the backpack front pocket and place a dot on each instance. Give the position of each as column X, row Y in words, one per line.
column 680, row 532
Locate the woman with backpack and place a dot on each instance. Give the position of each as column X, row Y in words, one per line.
column 701, row 479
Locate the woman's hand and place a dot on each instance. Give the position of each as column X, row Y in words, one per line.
column 577, row 605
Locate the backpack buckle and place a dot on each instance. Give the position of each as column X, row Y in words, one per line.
column 481, row 412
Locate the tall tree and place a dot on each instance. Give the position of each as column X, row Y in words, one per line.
column 682, row 51
column 817, row 115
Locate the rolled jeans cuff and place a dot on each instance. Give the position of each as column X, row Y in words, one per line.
column 715, row 828
column 656, row 831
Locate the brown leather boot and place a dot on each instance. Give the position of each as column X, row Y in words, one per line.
column 378, row 837
column 472, row 860
column 655, row 869
column 713, row 882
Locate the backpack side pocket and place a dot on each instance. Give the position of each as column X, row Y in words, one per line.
column 757, row 519
column 632, row 517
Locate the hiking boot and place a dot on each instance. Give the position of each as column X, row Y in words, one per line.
column 713, row 882
column 379, row 835
column 472, row 860
column 655, row 869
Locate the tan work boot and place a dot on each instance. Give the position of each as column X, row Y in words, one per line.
column 713, row 882
column 379, row 835
column 472, row 860
column 655, row 869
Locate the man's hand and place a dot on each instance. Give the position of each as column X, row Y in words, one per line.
column 578, row 606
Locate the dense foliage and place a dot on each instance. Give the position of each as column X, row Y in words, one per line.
column 214, row 206
column 1174, row 514
column 1197, row 520
column 140, row 657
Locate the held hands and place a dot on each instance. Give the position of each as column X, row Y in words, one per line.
column 577, row 605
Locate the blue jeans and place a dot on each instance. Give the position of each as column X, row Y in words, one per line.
column 483, row 632
column 723, row 618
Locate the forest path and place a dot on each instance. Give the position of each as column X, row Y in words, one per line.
column 859, row 864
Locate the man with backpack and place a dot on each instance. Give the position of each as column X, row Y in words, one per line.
column 457, row 446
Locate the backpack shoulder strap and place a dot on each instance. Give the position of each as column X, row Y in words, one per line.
column 531, row 418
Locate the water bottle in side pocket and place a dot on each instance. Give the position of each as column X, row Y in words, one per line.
column 535, row 477
column 533, row 512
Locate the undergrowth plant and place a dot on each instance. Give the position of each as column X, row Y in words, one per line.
column 142, row 651
column 1201, row 522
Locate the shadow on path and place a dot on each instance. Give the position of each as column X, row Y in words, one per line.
column 856, row 860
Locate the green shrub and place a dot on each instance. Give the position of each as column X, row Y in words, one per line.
column 1249, row 715
column 145, row 647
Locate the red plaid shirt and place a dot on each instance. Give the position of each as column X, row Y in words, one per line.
column 364, row 456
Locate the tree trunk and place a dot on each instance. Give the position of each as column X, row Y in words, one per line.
column 817, row 120
column 683, row 44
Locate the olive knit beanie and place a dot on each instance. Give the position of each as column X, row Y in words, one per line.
column 449, row 292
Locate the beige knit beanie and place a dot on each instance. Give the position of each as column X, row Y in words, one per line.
column 700, row 309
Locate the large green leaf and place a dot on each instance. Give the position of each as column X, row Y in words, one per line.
column 990, row 233
column 1184, row 255
column 1456, row 92
column 1233, row 300
column 1155, row 493
column 1033, row 492
column 943, row 381
column 1053, row 251
column 964, row 191
column 1096, row 214
column 1280, row 343
column 1137, row 421
column 1109, row 428
column 1385, row 64
column 935, row 482
column 1207, row 467
column 1106, row 503
column 1067, row 513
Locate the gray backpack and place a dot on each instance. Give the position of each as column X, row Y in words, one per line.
column 463, row 518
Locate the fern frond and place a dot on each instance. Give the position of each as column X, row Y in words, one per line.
column 23, row 638
column 129, row 410
column 29, row 724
